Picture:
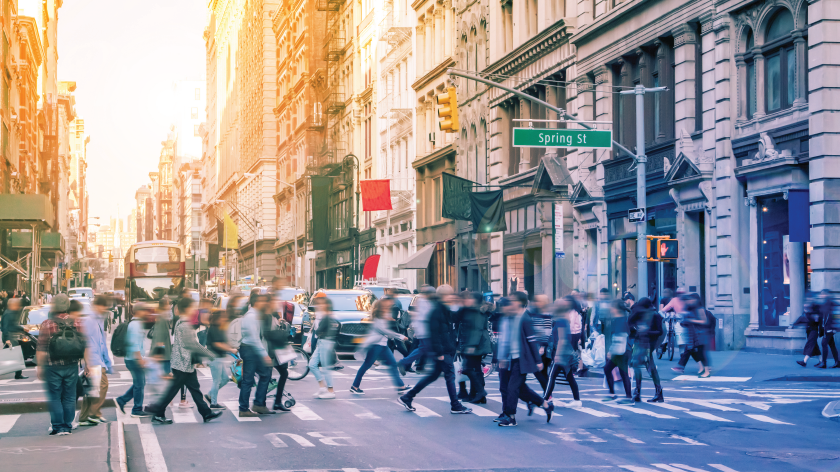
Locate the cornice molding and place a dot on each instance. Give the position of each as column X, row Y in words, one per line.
column 546, row 41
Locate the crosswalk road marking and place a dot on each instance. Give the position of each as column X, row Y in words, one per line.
column 722, row 468
column 600, row 414
column 640, row 411
column 183, row 415
column 233, row 407
column 421, row 410
column 126, row 418
column 767, row 419
column 711, row 379
column 537, row 410
column 360, row 411
column 7, row 421
column 477, row 410
column 708, row 416
column 704, row 403
column 303, row 412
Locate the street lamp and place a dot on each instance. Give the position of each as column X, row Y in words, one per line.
column 294, row 222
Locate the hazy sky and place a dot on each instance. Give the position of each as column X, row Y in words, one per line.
column 125, row 56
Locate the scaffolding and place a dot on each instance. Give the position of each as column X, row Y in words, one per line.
column 335, row 44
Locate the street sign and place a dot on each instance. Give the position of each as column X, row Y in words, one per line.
column 562, row 138
column 636, row 215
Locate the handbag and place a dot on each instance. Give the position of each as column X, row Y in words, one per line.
column 11, row 360
column 618, row 345
column 285, row 355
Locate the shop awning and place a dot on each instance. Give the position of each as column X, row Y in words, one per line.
column 420, row 259
column 19, row 211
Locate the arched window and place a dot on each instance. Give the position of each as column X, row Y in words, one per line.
column 780, row 61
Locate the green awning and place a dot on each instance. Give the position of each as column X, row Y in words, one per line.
column 19, row 211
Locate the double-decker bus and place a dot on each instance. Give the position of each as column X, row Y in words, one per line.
column 153, row 270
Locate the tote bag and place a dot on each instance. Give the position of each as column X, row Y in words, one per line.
column 11, row 360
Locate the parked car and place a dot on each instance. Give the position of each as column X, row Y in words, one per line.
column 294, row 294
column 379, row 290
column 221, row 301
column 351, row 308
column 31, row 318
column 81, row 292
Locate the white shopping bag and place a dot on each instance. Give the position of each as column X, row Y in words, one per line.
column 285, row 355
column 11, row 360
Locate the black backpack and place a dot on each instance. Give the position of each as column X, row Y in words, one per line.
column 118, row 340
column 67, row 343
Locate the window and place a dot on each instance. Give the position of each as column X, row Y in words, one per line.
column 437, row 196
column 779, row 66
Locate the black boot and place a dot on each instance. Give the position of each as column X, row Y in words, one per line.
column 659, row 397
column 637, row 391
column 462, row 391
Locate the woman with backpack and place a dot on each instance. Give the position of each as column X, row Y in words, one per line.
column 216, row 341
column 645, row 328
column 474, row 344
column 326, row 329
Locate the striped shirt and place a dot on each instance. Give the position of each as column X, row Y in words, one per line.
column 542, row 327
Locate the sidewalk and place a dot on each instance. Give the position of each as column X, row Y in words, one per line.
column 89, row 449
column 758, row 367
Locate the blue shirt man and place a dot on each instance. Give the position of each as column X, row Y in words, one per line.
column 134, row 361
column 96, row 357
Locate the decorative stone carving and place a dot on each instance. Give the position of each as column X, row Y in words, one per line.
column 767, row 150
column 685, row 145
column 749, row 201
column 684, row 34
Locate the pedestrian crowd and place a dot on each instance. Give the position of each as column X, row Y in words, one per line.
column 444, row 333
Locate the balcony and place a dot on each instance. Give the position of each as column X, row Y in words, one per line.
column 334, row 104
column 329, row 5
column 389, row 31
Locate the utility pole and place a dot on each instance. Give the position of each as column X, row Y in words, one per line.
column 641, row 185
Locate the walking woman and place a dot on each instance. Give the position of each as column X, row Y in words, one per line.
column 377, row 346
column 326, row 329
column 561, row 349
column 218, row 345
column 615, row 334
column 696, row 321
column 276, row 331
column 645, row 331
column 474, row 344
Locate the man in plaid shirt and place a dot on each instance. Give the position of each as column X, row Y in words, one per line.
column 60, row 376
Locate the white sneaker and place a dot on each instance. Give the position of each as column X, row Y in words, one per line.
column 185, row 404
column 320, row 392
column 327, row 395
column 574, row 404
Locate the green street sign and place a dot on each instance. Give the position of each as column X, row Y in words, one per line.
column 565, row 138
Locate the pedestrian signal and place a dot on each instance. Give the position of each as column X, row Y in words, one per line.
column 448, row 111
column 667, row 249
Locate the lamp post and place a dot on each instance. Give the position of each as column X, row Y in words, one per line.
column 294, row 220
column 352, row 160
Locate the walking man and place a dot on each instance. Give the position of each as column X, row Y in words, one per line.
column 255, row 360
column 96, row 357
column 442, row 347
column 183, row 369
column 134, row 362
column 419, row 324
column 58, row 364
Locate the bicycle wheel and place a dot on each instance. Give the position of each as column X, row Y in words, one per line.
column 671, row 341
column 299, row 366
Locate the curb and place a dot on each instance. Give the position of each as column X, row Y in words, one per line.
column 39, row 406
column 116, row 447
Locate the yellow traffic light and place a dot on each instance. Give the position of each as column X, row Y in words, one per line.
column 448, row 111
column 68, row 274
column 110, row 257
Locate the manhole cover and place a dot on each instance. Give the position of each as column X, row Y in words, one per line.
column 798, row 456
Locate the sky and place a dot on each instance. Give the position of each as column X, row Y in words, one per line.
column 125, row 56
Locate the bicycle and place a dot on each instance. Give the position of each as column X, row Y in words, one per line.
column 299, row 366
column 670, row 340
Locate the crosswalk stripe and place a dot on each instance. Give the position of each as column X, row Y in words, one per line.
column 304, row 413
column 233, row 407
column 125, row 375
column 183, row 415
column 767, row 419
column 704, row 403
column 600, row 414
column 537, row 410
column 360, row 411
column 422, row 411
column 668, row 406
column 7, row 421
column 205, row 372
column 640, row 411
column 126, row 418
column 711, row 379
column 151, row 449
column 689, row 469
column 477, row 410
column 722, row 468
column 708, row 416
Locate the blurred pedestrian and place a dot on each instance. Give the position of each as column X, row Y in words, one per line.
column 218, row 345
column 10, row 328
column 143, row 318
column 255, row 359
column 827, row 329
column 442, row 347
column 161, row 332
column 184, row 347
column 96, row 357
column 541, row 320
column 696, row 321
column 617, row 342
column 562, row 351
column 474, row 344
column 376, row 346
column 326, row 329
column 277, row 334
column 645, row 327
column 419, row 324
column 58, row 363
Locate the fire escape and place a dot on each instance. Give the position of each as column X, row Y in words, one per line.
column 334, row 97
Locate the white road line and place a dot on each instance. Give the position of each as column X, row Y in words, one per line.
column 477, row 410
column 537, row 410
column 668, row 468
column 151, row 449
column 640, row 411
column 668, row 406
column 600, row 414
column 303, row 412
column 767, row 419
column 126, row 418
column 704, row 403
column 708, row 416
column 623, row 436
column 125, row 375
column 722, row 468
column 205, row 372
column 634, row 468
column 689, row 469
column 711, row 379
column 421, row 410
column 7, row 421
column 362, row 412
column 183, row 415
column 233, row 407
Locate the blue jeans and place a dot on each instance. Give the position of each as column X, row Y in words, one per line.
column 138, row 384
column 321, row 357
column 252, row 364
column 379, row 352
column 61, row 381
column 417, row 354
column 166, row 367
column 219, row 370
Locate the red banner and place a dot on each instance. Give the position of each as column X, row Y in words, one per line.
column 376, row 195
column 371, row 265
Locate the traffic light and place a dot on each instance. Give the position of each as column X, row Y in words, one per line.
column 110, row 257
column 667, row 249
column 448, row 111
column 68, row 274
